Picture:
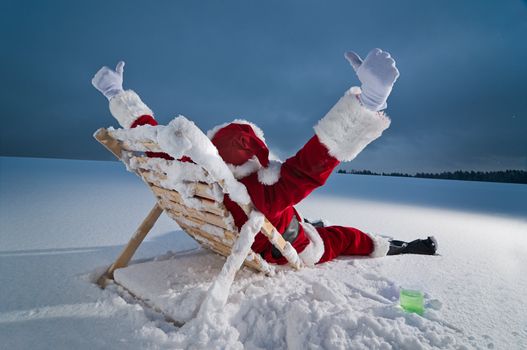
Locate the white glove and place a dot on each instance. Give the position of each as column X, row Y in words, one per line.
column 377, row 74
column 109, row 82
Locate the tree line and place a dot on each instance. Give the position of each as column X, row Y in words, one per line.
column 508, row 176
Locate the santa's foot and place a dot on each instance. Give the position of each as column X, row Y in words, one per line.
column 419, row 246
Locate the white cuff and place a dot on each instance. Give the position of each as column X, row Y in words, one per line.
column 349, row 127
column 270, row 175
column 126, row 107
column 315, row 249
column 380, row 246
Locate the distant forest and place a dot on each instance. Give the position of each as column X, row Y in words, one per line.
column 509, row 176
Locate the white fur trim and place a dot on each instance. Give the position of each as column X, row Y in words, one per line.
column 126, row 107
column 349, row 127
column 246, row 169
column 257, row 130
column 271, row 174
column 266, row 176
column 380, row 246
column 435, row 242
column 315, row 249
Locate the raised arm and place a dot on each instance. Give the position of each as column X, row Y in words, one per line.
column 341, row 135
column 125, row 106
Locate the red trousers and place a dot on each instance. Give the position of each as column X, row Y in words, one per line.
column 339, row 240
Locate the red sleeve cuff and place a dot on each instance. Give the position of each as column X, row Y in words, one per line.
column 149, row 120
column 144, row 120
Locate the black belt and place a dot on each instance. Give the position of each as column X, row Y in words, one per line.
column 290, row 234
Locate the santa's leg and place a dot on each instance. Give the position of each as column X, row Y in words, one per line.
column 340, row 240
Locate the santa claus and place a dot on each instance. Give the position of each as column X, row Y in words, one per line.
column 275, row 187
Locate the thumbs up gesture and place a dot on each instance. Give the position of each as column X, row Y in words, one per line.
column 377, row 74
column 109, row 82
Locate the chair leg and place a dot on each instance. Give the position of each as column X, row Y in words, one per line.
column 126, row 255
column 280, row 243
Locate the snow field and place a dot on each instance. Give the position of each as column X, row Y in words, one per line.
column 62, row 221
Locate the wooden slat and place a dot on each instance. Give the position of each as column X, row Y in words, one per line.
column 202, row 216
column 199, row 214
column 201, row 189
column 152, row 176
column 198, row 223
column 144, row 162
column 206, row 235
column 146, row 143
column 109, row 142
column 152, row 146
column 147, row 146
column 269, row 231
column 172, row 195
column 228, row 234
column 147, row 163
column 206, row 239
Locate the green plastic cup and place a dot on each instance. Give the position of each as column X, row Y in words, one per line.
column 412, row 301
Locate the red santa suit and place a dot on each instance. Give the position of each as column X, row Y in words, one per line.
column 275, row 187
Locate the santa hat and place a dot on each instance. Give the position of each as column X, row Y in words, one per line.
column 240, row 141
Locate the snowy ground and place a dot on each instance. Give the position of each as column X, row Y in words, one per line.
column 62, row 220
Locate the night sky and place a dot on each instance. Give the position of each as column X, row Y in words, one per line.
column 460, row 102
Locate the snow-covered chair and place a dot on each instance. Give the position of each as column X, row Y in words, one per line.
column 192, row 194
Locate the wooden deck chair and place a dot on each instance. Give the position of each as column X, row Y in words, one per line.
column 194, row 201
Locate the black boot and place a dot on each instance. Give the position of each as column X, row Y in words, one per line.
column 419, row 246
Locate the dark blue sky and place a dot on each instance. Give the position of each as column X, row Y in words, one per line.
column 460, row 103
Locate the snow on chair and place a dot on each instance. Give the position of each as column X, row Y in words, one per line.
column 192, row 194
